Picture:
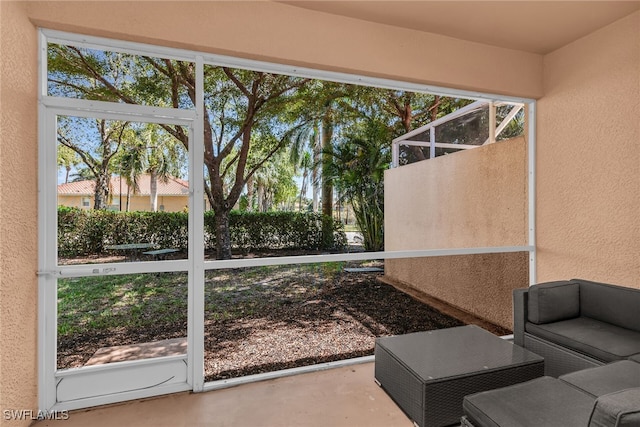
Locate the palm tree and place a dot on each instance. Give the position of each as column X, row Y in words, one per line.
column 95, row 149
column 357, row 169
column 152, row 152
column 306, row 164
column 68, row 159
column 305, row 153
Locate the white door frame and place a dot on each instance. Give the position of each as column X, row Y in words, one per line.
column 96, row 385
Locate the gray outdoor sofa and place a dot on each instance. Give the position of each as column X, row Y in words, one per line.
column 605, row 396
column 589, row 336
column 577, row 324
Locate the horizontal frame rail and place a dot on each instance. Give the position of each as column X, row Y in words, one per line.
column 360, row 256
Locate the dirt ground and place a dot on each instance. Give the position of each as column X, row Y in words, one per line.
column 271, row 318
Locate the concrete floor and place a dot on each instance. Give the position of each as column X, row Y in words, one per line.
column 345, row 396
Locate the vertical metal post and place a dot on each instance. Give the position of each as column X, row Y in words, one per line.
column 432, row 142
column 195, row 334
column 531, row 181
column 492, row 122
column 395, row 154
column 47, row 246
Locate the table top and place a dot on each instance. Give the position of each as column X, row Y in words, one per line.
column 445, row 353
column 130, row 246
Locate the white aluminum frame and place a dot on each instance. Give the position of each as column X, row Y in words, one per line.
column 195, row 265
column 494, row 131
column 50, row 271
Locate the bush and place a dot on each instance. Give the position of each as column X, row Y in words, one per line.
column 279, row 230
column 87, row 232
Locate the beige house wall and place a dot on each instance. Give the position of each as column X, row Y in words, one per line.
column 73, row 201
column 473, row 198
column 280, row 33
column 137, row 203
column 588, row 158
column 276, row 32
column 18, row 210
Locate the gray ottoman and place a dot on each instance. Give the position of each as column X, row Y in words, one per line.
column 606, row 379
column 544, row 401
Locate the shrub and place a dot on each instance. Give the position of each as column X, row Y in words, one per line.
column 278, row 230
column 87, row 232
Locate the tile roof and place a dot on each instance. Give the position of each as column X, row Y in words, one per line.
column 173, row 187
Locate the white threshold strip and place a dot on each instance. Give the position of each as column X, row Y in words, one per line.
column 233, row 382
column 248, row 379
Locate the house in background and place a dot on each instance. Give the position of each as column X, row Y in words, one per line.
column 172, row 195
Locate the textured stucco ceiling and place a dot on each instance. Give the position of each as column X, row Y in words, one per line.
column 531, row 26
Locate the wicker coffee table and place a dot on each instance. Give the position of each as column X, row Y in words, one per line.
column 428, row 373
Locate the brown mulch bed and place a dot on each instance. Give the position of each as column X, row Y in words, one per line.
column 272, row 318
column 340, row 320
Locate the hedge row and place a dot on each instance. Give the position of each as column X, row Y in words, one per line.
column 87, row 232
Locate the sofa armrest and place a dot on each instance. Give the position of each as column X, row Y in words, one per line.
column 520, row 315
column 618, row 409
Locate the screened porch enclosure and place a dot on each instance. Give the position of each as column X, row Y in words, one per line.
column 126, row 286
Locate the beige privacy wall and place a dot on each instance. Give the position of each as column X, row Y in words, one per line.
column 473, row 198
column 588, row 152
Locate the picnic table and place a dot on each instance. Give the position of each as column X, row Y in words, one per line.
column 133, row 250
column 160, row 254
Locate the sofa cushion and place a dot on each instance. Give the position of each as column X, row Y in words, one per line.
column 592, row 337
column 618, row 409
column 605, row 379
column 635, row 358
column 553, row 301
column 617, row 305
column 544, row 401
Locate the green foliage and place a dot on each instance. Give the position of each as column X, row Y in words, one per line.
column 358, row 171
column 83, row 233
column 87, row 232
column 278, row 230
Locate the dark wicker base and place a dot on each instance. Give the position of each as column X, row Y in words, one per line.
column 435, row 402
column 558, row 360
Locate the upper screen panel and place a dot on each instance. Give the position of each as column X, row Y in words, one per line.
column 123, row 191
column 82, row 73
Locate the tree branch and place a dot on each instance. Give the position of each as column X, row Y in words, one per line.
column 99, row 77
column 86, row 157
column 236, row 81
column 229, row 164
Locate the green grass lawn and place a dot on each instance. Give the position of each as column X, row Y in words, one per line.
column 126, row 301
column 257, row 319
column 137, row 301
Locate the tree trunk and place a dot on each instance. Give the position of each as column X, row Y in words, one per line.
column 250, row 194
column 303, row 188
column 315, row 168
column 223, row 235
column 101, row 192
column 260, row 197
column 153, row 190
column 327, row 184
